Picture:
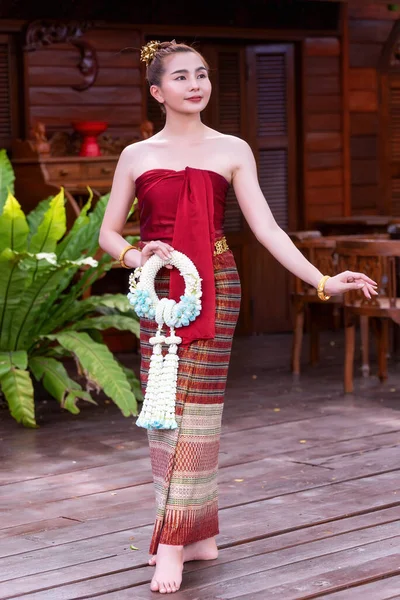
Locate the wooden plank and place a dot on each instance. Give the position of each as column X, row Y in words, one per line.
column 368, row 30
column 323, row 122
column 69, row 58
column 349, row 447
column 372, row 11
column 110, row 95
column 316, row 506
column 323, row 141
column 363, row 79
column 322, row 103
column 350, row 574
column 317, row 554
column 365, row 196
column 363, row 101
column 323, row 160
column 364, row 171
column 124, row 559
column 364, row 147
column 321, row 65
column 322, row 46
column 65, row 76
column 320, row 212
column 114, row 39
column 324, row 178
column 325, row 195
column 363, row 124
column 321, row 85
column 378, row 590
column 117, row 115
column 365, row 55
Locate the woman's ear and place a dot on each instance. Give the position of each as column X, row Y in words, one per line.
column 156, row 93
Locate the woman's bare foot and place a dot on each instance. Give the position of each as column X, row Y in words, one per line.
column 168, row 575
column 203, row 550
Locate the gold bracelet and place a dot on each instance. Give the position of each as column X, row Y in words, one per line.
column 121, row 256
column 320, row 288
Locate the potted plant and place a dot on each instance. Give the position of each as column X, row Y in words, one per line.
column 44, row 272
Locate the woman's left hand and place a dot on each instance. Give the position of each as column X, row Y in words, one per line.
column 349, row 280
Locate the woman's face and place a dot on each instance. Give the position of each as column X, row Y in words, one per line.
column 185, row 86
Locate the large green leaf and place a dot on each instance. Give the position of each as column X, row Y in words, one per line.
column 36, row 216
column 75, row 242
column 71, row 311
column 32, row 303
column 12, row 286
column 8, row 360
column 57, row 382
column 7, row 178
column 100, row 368
column 52, row 228
column 120, row 322
column 17, row 388
column 134, row 382
column 13, row 226
column 69, row 302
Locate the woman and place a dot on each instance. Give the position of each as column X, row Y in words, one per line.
column 181, row 176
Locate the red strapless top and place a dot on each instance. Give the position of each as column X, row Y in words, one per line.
column 186, row 209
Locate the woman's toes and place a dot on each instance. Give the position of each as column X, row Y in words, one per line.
column 154, row 586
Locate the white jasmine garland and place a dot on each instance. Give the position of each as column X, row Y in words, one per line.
column 158, row 410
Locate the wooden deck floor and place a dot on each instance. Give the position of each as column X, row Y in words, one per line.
column 309, row 492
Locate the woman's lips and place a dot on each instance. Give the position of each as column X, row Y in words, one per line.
column 195, row 99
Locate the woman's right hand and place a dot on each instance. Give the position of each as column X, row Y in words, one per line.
column 156, row 247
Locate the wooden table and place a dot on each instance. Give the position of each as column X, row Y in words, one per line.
column 360, row 224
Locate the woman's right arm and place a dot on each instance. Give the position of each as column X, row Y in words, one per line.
column 118, row 206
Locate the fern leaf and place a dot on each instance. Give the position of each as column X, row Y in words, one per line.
column 7, row 178
column 17, row 388
column 57, row 382
column 14, row 228
column 52, row 228
column 101, row 367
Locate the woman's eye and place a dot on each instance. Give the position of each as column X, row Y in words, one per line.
column 180, row 77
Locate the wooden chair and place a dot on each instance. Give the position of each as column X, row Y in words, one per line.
column 321, row 252
column 376, row 258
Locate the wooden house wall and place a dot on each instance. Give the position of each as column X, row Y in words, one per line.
column 116, row 96
column 369, row 28
column 323, row 147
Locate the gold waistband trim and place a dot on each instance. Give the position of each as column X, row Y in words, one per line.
column 220, row 246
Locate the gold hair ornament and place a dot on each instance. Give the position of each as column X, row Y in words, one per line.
column 148, row 51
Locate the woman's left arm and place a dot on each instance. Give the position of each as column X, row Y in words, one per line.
column 262, row 222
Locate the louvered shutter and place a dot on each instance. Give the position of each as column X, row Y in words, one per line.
column 230, row 120
column 7, row 104
column 394, row 107
column 272, row 125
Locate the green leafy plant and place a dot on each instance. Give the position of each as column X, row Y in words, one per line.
column 44, row 272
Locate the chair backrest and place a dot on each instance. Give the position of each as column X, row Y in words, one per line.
column 320, row 251
column 377, row 258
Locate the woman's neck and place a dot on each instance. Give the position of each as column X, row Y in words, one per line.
column 189, row 127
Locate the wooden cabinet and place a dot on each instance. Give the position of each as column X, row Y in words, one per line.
column 39, row 176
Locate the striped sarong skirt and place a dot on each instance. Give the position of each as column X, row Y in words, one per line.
column 184, row 460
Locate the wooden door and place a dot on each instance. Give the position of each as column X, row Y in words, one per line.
column 271, row 133
column 253, row 98
column 394, row 137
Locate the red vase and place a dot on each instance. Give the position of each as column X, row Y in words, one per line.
column 90, row 130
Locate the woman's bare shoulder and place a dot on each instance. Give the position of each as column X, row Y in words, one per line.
column 138, row 148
